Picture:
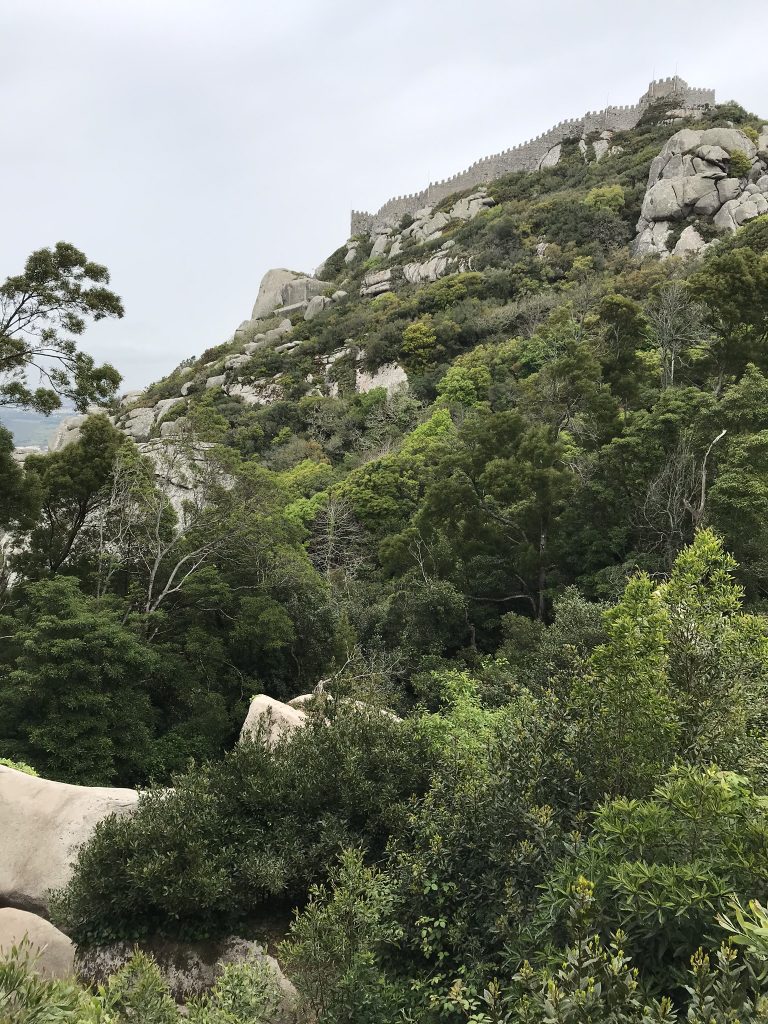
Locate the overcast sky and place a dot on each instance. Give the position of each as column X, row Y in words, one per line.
column 190, row 145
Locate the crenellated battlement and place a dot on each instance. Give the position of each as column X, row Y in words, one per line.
column 528, row 155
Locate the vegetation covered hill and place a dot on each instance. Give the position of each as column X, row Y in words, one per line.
column 548, row 553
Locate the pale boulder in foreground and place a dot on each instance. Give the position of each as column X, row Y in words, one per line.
column 279, row 719
column 54, row 951
column 42, row 826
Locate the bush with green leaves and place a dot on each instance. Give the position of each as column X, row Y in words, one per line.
column 252, row 831
column 663, row 868
column 76, row 701
column 739, row 165
column 19, row 766
column 335, row 947
column 26, row 997
column 244, row 993
column 459, row 875
column 596, row 983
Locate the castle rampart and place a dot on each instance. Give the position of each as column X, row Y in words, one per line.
column 529, row 155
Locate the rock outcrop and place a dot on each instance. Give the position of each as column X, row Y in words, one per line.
column 428, row 225
column 271, row 292
column 440, row 265
column 281, row 293
column 42, row 826
column 390, row 376
column 696, row 174
column 54, row 952
column 189, row 969
column 66, row 433
column 316, row 305
column 278, row 719
column 376, row 282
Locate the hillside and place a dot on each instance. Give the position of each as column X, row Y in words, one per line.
column 490, row 301
column 426, row 614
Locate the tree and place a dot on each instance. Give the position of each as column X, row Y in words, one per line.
column 16, row 498
column 717, row 657
column 420, row 348
column 624, row 711
column 465, row 385
column 493, row 510
column 71, row 485
column 625, row 329
column 733, row 285
column 42, row 312
column 678, row 324
column 337, row 542
column 675, row 499
column 164, row 519
column 76, row 701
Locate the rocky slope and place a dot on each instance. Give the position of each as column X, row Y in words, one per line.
column 717, row 176
column 702, row 183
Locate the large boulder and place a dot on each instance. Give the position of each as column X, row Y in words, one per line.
column 390, row 376
column 376, row 282
column 427, row 225
column 552, row 157
column 260, row 392
column 440, row 265
column 469, row 206
column 316, row 306
column 53, row 950
column 276, row 718
column 380, row 245
column 189, row 969
column 692, row 176
column 690, row 242
column 66, row 433
column 42, row 826
column 301, row 290
column 271, row 292
column 139, row 424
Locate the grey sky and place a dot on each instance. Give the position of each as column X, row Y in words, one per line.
column 190, row 145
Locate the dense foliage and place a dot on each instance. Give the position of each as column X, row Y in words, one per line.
column 245, row 993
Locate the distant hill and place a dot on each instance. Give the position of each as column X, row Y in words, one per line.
column 30, row 427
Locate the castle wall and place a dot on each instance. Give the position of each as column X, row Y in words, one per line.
column 528, row 155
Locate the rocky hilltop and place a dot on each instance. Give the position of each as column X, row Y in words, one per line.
column 706, row 178
column 544, row 150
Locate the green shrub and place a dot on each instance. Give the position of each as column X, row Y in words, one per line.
column 20, row 766
column 596, row 982
column 28, row 998
column 740, row 165
column 606, row 197
column 663, row 868
column 138, row 993
column 331, row 951
column 244, row 993
column 258, row 827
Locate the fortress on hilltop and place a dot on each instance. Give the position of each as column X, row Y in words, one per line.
column 531, row 155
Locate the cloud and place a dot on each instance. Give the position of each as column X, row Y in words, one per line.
column 190, row 144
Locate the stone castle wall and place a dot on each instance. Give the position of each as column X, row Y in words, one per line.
column 529, row 155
